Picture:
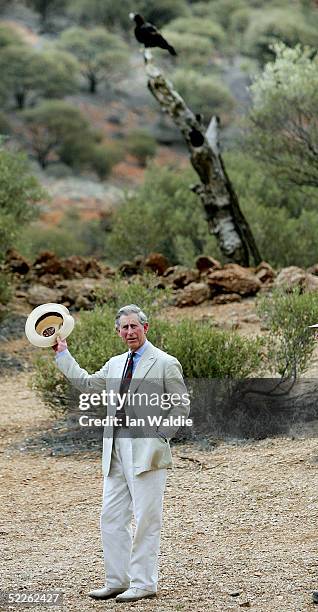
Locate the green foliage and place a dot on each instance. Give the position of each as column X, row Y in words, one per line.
column 161, row 12
column 46, row 8
column 202, row 351
column 104, row 156
column 205, row 352
column 58, row 127
column 284, row 117
column 5, row 287
column 102, row 55
column 204, row 94
column 9, row 36
column 142, row 145
column 272, row 25
column 5, row 125
column 290, row 342
column 27, row 74
column 198, row 27
column 114, row 15
column 193, row 50
column 71, row 236
column 163, row 215
column 19, row 192
column 284, row 221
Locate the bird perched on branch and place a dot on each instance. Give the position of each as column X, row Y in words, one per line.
column 148, row 35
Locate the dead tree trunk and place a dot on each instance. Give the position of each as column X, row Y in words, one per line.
column 224, row 216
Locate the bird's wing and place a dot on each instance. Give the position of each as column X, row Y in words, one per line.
column 151, row 29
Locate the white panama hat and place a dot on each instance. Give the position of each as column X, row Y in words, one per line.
column 46, row 322
column 316, row 325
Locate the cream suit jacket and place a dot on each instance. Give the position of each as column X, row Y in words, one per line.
column 149, row 453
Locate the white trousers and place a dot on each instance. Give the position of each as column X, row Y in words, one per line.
column 131, row 561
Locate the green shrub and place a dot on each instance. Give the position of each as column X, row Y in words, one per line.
column 273, row 25
column 193, row 50
column 204, row 94
column 71, row 236
column 103, row 157
column 5, row 288
column 202, row 28
column 202, row 351
column 290, row 343
column 142, row 145
column 161, row 12
column 163, row 215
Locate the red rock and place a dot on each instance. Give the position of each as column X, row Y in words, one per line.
column 205, row 263
column 233, row 278
column 156, row 262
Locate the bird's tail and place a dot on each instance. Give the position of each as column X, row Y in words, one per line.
column 171, row 50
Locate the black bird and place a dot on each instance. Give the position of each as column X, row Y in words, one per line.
column 148, row 35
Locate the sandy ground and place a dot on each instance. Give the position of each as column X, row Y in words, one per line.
column 240, row 521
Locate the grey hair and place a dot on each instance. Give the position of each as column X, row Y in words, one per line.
column 131, row 309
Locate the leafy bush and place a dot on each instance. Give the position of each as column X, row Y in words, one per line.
column 172, row 215
column 203, row 351
column 202, row 28
column 26, row 74
column 5, row 288
column 104, row 156
column 102, row 56
column 142, row 145
column 19, row 192
column 283, row 118
column 161, row 12
column 204, row 94
column 193, row 50
column 272, row 25
column 60, row 129
column 71, row 236
column 291, row 343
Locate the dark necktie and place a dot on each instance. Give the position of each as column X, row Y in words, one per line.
column 124, row 386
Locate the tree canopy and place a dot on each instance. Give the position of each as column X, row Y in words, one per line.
column 101, row 54
column 284, row 115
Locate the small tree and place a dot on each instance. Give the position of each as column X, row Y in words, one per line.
column 27, row 74
column 273, row 25
column 46, row 8
column 111, row 14
column 19, row 192
column 284, row 116
column 57, row 128
column 205, row 94
column 102, row 56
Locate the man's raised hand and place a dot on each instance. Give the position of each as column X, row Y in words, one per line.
column 61, row 345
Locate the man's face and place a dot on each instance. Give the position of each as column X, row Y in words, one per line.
column 132, row 331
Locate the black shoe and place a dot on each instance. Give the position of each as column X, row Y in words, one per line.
column 315, row 597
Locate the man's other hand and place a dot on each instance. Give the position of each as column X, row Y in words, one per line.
column 61, row 345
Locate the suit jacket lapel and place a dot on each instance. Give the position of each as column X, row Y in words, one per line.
column 144, row 364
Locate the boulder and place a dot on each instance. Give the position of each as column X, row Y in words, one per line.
column 39, row 294
column 233, row 278
column 291, row 277
column 226, row 298
column 205, row 263
column 47, row 263
column 180, row 276
column 16, row 263
column 265, row 272
column 128, row 268
column 192, row 294
column 156, row 262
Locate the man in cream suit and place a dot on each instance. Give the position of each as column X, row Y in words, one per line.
column 134, row 468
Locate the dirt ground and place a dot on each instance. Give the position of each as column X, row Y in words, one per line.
column 240, row 521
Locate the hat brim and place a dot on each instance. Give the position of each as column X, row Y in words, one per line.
column 62, row 330
column 316, row 325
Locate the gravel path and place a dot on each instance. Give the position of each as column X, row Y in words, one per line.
column 240, row 521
